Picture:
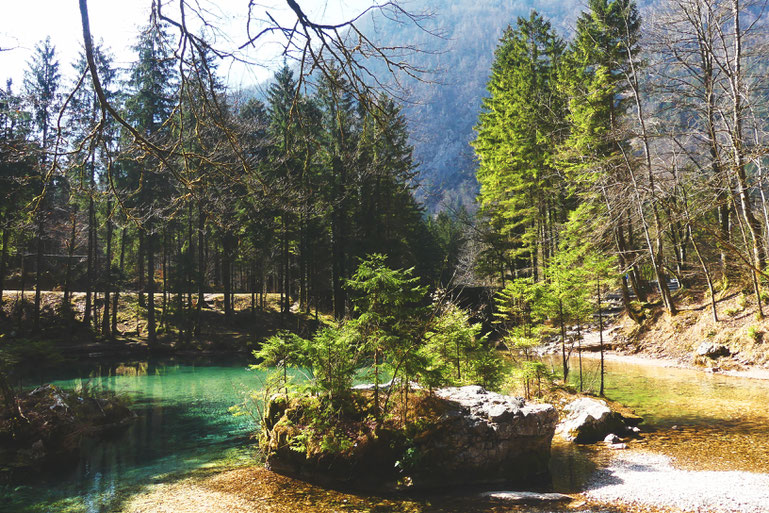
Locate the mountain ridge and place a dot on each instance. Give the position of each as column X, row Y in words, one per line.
column 443, row 109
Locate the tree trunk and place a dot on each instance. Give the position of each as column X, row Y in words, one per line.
column 201, row 270
column 105, row 327
column 286, row 307
column 91, row 249
column 190, row 274
column 600, row 335
column 164, row 267
column 142, row 240
column 735, row 80
column 66, row 303
column 115, row 296
column 3, row 259
column 22, row 299
column 563, row 343
column 39, row 267
column 151, row 336
column 226, row 278
column 655, row 253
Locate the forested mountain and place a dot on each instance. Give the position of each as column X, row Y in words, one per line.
column 443, row 110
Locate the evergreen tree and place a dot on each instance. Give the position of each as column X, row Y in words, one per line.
column 93, row 139
column 41, row 84
column 519, row 127
column 18, row 183
column 340, row 132
column 149, row 107
column 598, row 79
column 285, row 105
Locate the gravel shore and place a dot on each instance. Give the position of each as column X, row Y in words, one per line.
column 645, row 481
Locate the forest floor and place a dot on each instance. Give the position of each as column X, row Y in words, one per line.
column 66, row 332
column 673, row 340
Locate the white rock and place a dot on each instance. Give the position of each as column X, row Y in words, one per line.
column 526, row 497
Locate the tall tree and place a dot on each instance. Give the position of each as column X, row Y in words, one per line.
column 149, row 107
column 41, row 84
column 521, row 192
column 18, row 184
column 340, row 132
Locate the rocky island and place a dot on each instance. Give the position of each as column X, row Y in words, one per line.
column 459, row 435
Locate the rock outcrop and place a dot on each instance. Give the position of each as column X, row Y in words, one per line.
column 590, row 420
column 487, row 437
column 463, row 436
column 49, row 423
column 711, row 350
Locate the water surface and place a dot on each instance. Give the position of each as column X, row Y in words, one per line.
column 706, row 421
column 185, row 426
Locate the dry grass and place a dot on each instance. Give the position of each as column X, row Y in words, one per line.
column 739, row 328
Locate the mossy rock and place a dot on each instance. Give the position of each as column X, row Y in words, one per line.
column 460, row 436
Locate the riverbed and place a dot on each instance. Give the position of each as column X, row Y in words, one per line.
column 189, row 447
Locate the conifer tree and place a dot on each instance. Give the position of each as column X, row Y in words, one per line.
column 601, row 80
column 89, row 166
column 41, row 84
column 17, row 167
column 521, row 123
column 340, row 131
column 149, row 107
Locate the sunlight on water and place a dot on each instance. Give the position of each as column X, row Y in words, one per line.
column 185, row 427
column 706, row 421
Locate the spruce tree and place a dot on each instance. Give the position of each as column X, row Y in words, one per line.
column 149, row 106
column 41, row 84
column 519, row 127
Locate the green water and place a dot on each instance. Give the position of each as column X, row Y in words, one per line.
column 706, row 421
column 184, row 427
column 183, row 424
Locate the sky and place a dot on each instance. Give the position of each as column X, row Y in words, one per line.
column 24, row 23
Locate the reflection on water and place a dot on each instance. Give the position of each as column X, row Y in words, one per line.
column 184, row 425
column 706, row 421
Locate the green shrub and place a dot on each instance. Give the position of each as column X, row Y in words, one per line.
column 456, row 354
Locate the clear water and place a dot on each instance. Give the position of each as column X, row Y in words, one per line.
column 705, row 421
column 185, row 427
column 183, row 424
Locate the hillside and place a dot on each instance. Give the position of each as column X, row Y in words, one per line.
column 443, row 110
column 736, row 341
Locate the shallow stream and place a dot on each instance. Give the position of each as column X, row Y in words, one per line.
column 185, row 427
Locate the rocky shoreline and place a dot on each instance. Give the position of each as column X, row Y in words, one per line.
column 47, row 424
column 754, row 372
column 641, row 481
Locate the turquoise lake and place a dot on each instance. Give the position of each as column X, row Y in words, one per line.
column 185, row 426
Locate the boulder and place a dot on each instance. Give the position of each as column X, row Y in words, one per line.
column 711, row 350
column 487, row 437
column 460, row 436
column 590, row 420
